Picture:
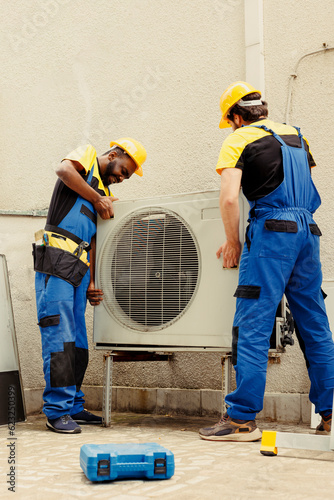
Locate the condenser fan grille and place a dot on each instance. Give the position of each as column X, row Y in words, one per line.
column 149, row 269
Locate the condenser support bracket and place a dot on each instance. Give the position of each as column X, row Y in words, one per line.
column 116, row 356
column 226, row 361
column 107, row 389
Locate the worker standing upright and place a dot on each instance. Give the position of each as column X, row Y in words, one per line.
column 65, row 272
column 272, row 163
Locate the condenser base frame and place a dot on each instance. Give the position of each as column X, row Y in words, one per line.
column 160, row 348
column 111, row 356
column 121, row 356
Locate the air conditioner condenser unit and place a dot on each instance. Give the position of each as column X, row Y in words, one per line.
column 164, row 288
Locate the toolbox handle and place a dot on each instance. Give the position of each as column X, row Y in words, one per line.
column 133, row 465
column 159, row 466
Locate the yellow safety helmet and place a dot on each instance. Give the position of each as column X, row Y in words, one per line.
column 231, row 96
column 134, row 149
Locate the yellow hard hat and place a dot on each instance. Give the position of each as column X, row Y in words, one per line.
column 231, row 96
column 134, row 149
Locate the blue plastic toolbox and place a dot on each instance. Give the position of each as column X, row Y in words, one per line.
column 103, row 462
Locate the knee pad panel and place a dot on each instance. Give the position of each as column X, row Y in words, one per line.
column 62, row 366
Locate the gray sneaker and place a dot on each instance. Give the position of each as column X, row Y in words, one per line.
column 228, row 429
column 64, row 425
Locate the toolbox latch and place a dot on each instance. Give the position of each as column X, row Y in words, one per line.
column 103, row 468
column 160, row 466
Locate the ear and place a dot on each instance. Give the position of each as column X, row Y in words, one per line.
column 238, row 120
column 112, row 155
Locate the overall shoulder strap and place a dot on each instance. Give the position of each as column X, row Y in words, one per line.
column 264, row 127
column 90, row 174
column 300, row 135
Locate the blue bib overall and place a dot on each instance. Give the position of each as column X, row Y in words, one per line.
column 281, row 256
column 61, row 315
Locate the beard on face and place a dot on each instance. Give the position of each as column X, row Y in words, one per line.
column 108, row 172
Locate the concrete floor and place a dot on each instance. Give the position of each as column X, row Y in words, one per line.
column 47, row 464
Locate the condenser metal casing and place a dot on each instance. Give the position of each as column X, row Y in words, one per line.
column 164, row 288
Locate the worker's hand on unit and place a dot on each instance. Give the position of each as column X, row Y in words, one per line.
column 104, row 206
column 231, row 253
column 94, row 295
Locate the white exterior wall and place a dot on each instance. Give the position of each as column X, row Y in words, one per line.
column 76, row 72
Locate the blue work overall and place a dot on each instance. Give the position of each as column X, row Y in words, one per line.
column 281, row 255
column 61, row 315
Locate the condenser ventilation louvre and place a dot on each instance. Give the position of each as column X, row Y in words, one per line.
column 150, row 269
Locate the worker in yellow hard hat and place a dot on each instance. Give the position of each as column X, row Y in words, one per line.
column 64, row 266
column 271, row 162
column 234, row 93
column 133, row 149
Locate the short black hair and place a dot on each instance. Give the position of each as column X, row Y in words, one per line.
column 119, row 151
column 250, row 113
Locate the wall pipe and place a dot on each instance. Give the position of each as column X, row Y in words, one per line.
column 26, row 213
column 254, row 52
column 294, row 75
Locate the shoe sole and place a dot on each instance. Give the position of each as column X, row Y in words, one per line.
column 323, row 433
column 236, row 436
column 85, row 422
column 75, row 431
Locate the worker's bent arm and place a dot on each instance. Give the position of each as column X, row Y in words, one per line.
column 94, row 295
column 68, row 172
column 229, row 209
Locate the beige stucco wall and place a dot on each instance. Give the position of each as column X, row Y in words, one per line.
column 76, row 72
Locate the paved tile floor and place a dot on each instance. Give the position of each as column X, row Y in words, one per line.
column 47, row 464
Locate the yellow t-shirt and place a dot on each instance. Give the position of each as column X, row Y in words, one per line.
column 63, row 198
column 258, row 154
column 86, row 156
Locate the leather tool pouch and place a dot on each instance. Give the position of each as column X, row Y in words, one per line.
column 59, row 263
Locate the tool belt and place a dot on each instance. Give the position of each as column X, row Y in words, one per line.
column 60, row 263
column 66, row 234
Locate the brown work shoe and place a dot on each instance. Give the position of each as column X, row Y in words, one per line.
column 325, row 425
column 229, row 429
